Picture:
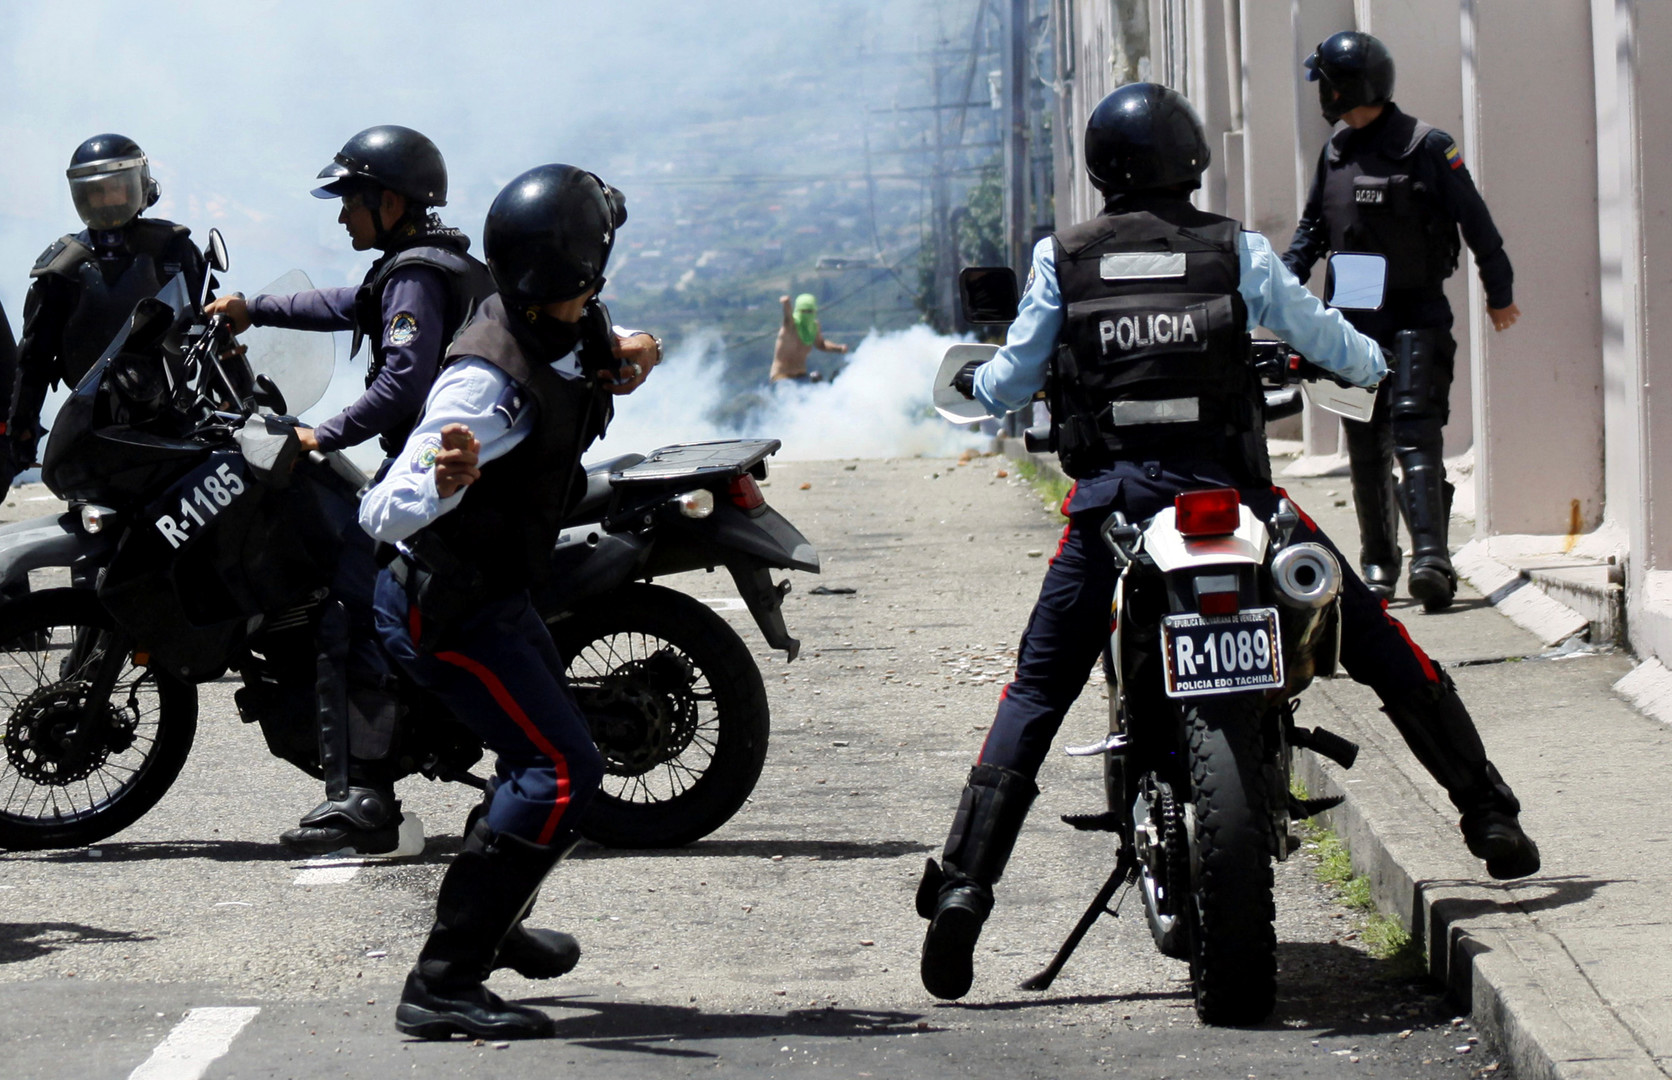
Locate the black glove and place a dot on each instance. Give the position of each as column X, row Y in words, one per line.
column 964, row 381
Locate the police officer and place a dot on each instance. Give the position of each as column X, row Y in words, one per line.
column 418, row 292
column 474, row 503
column 1138, row 420
column 86, row 285
column 1389, row 183
column 9, row 466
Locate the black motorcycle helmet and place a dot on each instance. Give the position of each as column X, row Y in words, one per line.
column 549, row 233
column 1351, row 69
column 1142, row 137
column 387, row 156
column 110, row 181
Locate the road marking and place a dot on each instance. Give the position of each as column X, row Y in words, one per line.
column 726, row 603
column 194, row 1044
column 328, row 872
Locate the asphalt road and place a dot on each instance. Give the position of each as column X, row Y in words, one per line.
column 784, row 943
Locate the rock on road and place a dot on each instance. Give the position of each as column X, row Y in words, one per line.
column 784, row 943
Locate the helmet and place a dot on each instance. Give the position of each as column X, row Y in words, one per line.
column 1351, row 69
column 549, row 234
column 392, row 157
column 1144, row 136
column 110, row 181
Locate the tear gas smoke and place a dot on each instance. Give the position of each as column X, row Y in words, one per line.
column 877, row 407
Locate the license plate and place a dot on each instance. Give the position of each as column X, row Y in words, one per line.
column 1220, row 654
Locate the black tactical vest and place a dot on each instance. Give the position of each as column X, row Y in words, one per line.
column 1374, row 202
column 468, row 284
column 1154, row 361
column 505, row 528
column 109, row 284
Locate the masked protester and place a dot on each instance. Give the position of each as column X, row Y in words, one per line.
column 473, row 505
column 798, row 337
column 1145, row 150
column 421, row 288
column 1389, row 183
column 85, row 286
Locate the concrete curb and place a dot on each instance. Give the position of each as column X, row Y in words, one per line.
column 1519, row 984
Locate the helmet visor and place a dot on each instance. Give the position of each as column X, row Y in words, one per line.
column 109, row 200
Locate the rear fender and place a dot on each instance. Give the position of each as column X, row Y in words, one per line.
column 768, row 537
column 54, row 540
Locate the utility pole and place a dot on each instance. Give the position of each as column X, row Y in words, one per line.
column 1018, row 222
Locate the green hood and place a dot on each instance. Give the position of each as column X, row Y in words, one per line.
column 807, row 318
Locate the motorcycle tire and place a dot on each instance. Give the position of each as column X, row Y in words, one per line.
column 53, row 797
column 1233, row 943
column 678, row 709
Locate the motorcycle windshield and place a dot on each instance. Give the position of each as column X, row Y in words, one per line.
column 299, row 362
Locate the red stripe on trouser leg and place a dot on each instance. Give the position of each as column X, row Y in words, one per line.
column 1066, row 499
column 1416, row 650
column 414, row 623
column 503, row 698
column 1062, row 542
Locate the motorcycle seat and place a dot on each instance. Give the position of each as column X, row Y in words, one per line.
column 596, row 499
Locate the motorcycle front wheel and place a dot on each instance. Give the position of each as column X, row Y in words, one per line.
column 1233, row 944
column 75, row 771
column 677, row 709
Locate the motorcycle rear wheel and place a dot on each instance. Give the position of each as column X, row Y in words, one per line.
column 60, row 786
column 1233, row 943
column 677, row 708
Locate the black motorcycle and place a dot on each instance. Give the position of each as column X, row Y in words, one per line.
column 199, row 540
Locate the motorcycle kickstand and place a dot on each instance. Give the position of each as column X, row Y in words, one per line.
column 1125, row 863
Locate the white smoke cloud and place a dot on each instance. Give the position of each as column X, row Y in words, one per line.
column 877, row 407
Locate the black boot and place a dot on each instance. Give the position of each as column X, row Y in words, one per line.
column 1370, row 456
column 538, row 954
column 366, row 821
column 1438, row 729
column 1427, row 499
column 482, row 898
column 957, row 895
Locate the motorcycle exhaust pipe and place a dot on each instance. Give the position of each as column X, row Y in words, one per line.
column 1306, row 576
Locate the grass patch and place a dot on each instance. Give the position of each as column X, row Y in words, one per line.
column 1384, row 935
column 1049, row 486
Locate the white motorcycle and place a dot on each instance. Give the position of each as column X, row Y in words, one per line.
column 1222, row 619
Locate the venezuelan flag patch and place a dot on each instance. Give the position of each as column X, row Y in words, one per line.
column 1454, row 156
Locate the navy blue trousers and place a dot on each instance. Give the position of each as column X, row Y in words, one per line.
column 1069, row 626
column 500, row 674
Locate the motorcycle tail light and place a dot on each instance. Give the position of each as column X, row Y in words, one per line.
column 746, row 494
column 1215, row 512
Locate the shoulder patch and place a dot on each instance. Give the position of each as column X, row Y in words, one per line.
column 512, row 401
column 1454, row 156
column 403, row 328
column 423, row 455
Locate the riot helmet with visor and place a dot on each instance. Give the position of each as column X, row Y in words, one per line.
column 110, row 181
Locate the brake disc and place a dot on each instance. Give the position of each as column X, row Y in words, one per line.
column 643, row 713
column 45, row 740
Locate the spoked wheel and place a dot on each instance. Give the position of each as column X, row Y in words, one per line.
column 76, row 768
column 677, row 708
column 1233, row 945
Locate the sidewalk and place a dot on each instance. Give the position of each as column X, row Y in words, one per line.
column 1570, row 970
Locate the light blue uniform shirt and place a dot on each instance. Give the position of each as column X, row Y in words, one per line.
column 1275, row 300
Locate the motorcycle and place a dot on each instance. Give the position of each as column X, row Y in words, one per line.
column 198, row 539
column 1221, row 622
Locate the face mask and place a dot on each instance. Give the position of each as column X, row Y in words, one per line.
column 553, row 339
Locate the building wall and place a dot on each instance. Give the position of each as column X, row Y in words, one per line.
column 1555, row 115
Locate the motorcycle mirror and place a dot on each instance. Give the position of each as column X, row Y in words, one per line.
column 988, row 295
column 1355, row 281
column 950, row 403
column 217, row 251
column 268, row 395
